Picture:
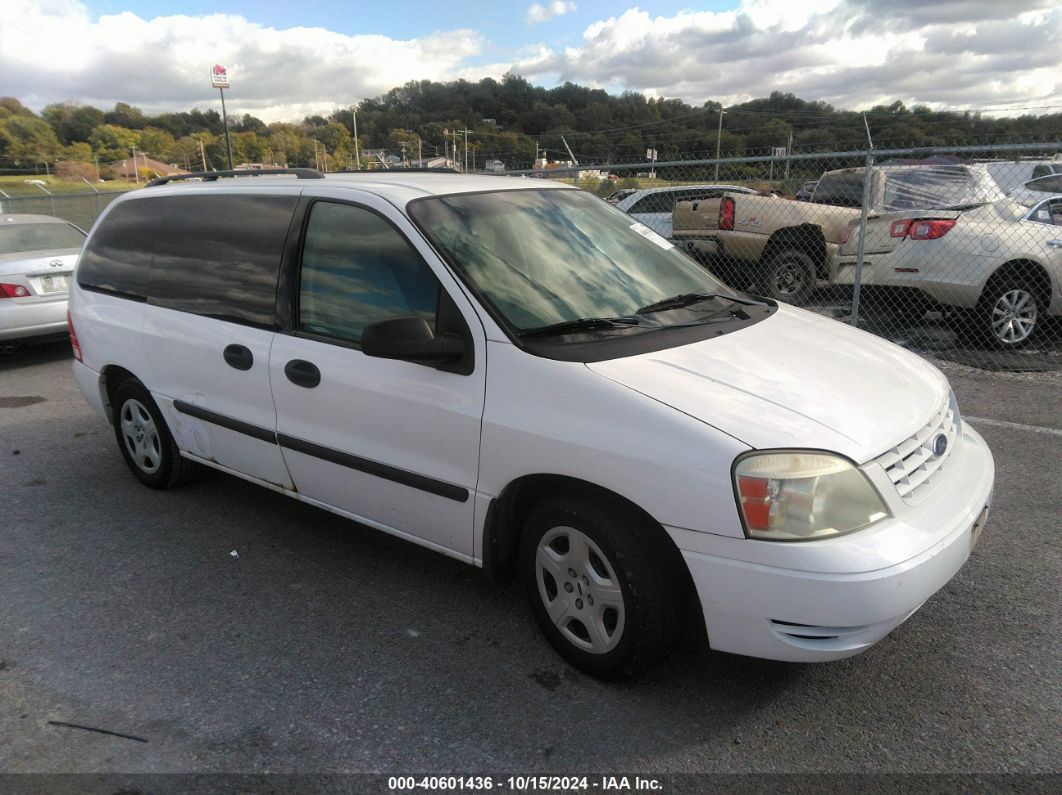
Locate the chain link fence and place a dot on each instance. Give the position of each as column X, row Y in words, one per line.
column 954, row 252
column 80, row 209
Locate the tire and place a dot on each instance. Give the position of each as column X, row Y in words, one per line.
column 145, row 441
column 790, row 277
column 1008, row 313
column 575, row 552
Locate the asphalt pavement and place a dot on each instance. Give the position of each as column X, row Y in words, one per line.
column 224, row 627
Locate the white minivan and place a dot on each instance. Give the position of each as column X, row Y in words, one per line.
column 522, row 377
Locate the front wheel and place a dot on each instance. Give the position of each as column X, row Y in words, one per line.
column 602, row 586
column 790, row 277
column 144, row 440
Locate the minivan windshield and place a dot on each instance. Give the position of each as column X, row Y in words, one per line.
column 542, row 257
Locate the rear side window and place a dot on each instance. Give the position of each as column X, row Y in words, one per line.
column 118, row 255
column 219, row 256
column 357, row 269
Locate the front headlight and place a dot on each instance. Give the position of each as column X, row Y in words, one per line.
column 801, row 495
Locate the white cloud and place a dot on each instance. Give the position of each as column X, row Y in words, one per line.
column 951, row 53
column 537, row 12
column 163, row 63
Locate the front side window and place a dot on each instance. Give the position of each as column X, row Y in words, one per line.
column 358, row 269
column 542, row 257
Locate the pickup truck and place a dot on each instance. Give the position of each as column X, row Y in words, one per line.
column 786, row 247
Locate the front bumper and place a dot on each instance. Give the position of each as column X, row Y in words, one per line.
column 781, row 613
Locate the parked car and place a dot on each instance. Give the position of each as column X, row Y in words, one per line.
column 37, row 255
column 996, row 266
column 653, row 206
column 785, row 247
column 522, row 379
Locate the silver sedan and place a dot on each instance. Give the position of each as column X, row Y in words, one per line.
column 37, row 256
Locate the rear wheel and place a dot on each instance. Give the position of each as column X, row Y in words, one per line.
column 145, row 441
column 1009, row 311
column 790, row 277
column 601, row 585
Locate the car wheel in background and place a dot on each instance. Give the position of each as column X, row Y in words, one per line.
column 790, row 277
column 1008, row 312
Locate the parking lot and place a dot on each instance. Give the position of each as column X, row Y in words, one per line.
column 223, row 627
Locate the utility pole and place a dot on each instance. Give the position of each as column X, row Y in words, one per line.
column 225, row 120
column 466, row 131
column 219, row 79
column 788, row 152
column 136, row 173
column 354, row 116
column 718, row 142
column 202, row 154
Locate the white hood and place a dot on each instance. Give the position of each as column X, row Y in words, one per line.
column 793, row 380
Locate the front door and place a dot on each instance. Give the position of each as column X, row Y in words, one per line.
column 389, row 442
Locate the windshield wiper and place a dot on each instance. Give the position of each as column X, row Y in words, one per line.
column 676, row 302
column 582, row 324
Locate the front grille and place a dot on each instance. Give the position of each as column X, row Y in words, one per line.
column 912, row 463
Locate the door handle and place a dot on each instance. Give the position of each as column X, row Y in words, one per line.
column 239, row 356
column 1055, row 243
column 302, row 373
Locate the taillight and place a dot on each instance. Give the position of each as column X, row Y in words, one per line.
column 930, row 230
column 13, row 291
column 726, row 214
column 73, row 336
column 845, row 234
column 899, row 228
column 921, row 229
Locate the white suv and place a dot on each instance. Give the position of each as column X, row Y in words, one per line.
column 526, row 379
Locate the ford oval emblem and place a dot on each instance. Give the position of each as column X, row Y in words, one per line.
column 940, row 445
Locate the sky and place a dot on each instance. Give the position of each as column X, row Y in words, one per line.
column 290, row 59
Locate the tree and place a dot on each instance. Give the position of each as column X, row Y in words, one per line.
column 28, row 139
column 111, row 142
column 72, row 122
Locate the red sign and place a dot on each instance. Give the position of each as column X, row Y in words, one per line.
column 219, row 76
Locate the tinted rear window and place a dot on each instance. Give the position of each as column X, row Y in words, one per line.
column 210, row 255
column 220, row 255
column 16, row 238
column 118, row 255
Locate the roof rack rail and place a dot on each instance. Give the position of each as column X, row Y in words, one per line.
column 212, row 176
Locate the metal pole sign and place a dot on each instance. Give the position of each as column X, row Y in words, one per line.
column 219, row 79
column 219, row 76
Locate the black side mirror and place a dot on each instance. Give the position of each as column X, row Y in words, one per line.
column 410, row 339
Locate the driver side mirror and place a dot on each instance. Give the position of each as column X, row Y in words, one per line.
column 410, row 339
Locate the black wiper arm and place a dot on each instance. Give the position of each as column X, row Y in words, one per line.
column 676, row 302
column 582, row 324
